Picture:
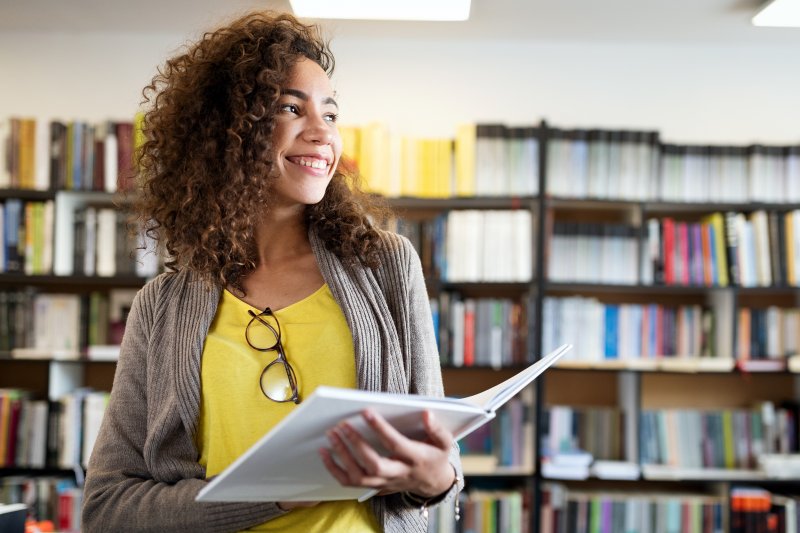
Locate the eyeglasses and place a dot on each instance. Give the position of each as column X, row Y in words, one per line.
column 263, row 333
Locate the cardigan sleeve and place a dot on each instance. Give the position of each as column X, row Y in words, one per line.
column 121, row 493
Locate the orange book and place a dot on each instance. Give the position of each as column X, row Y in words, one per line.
column 743, row 337
column 708, row 263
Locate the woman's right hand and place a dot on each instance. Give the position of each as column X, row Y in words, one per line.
column 288, row 506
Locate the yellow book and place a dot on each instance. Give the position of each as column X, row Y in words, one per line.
column 727, row 439
column 409, row 173
column 374, row 157
column 718, row 225
column 350, row 143
column 27, row 155
column 445, row 168
column 465, row 160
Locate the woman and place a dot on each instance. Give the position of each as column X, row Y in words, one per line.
column 279, row 284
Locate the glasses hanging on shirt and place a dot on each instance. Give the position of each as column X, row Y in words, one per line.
column 277, row 381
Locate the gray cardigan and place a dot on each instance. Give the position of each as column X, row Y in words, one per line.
column 143, row 474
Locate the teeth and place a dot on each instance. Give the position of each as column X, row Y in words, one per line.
column 314, row 163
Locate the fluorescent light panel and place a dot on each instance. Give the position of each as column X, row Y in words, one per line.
column 437, row 10
column 779, row 13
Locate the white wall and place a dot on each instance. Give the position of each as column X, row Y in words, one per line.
column 711, row 94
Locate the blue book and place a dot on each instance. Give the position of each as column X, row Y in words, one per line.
column 612, row 331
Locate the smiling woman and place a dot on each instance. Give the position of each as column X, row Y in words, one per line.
column 279, row 284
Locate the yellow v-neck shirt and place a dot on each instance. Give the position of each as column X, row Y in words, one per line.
column 234, row 413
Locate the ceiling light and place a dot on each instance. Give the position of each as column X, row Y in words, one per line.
column 438, row 10
column 780, row 13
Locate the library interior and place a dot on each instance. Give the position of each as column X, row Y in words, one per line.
column 621, row 176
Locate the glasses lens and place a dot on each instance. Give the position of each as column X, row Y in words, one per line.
column 261, row 332
column 275, row 382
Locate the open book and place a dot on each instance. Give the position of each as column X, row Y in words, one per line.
column 285, row 464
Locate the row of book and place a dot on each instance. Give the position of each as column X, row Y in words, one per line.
column 506, row 442
column 484, row 511
column 483, row 160
column 604, row 332
column 101, row 242
column 730, row 174
column 772, row 333
column 473, row 245
column 727, row 438
column 63, row 326
column 580, row 511
column 480, row 331
column 52, row 499
column 72, row 155
column 593, row 253
column 629, row 165
column 602, row 164
column 760, row 249
column 57, row 434
column 598, row 431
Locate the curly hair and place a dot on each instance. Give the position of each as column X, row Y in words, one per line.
column 205, row 166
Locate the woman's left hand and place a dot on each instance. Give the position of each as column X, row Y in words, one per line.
column 419, row 467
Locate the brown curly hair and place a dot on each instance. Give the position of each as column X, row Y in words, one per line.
column 205, row 167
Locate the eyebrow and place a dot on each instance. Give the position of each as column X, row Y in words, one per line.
column 304, row 97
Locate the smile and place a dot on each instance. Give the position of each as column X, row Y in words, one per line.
column 312, row 162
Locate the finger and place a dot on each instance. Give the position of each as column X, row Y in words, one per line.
column 395, row 442
column 335, row 470
column 373, row 463
column 439, row 435
column 346, row 461
column 365, row 454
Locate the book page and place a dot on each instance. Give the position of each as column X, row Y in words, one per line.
column 493, row 398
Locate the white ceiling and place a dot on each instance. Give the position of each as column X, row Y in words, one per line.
column 656, row 21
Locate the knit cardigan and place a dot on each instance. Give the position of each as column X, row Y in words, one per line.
column 144, row 472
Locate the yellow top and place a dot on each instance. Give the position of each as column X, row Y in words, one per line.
column 234, row 413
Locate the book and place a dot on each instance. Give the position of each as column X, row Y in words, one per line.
column 284, row 465
column 12, row 517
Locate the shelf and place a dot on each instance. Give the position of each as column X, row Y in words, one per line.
column 669, row 473
column 479, row 202
column 26, row 194
column 663, row 364
column 73, row 282
column 663, row 207
column 551, row 287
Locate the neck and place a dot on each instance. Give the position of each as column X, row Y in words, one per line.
column 281, row 235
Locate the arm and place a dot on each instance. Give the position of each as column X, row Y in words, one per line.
column 428, row 468
column 121, row 492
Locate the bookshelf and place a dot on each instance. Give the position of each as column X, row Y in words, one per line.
column 566, row 264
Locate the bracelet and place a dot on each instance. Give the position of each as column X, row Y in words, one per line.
column 424, row 503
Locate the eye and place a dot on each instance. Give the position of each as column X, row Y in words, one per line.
column 331, row 117
column 290, row 108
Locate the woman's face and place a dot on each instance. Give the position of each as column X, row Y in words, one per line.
column 306, row 141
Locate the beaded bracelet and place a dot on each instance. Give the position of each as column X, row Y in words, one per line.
column 424, row 503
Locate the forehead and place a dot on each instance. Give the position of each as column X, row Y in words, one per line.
column 309, row 77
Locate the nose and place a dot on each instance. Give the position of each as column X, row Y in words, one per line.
column 318, row 130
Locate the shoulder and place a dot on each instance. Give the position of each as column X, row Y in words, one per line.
column 164, row 288
column 396, row 249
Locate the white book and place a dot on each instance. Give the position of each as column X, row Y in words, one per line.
column 284, row 465
column 110, row 161
column 41, row 154
column 106, row 242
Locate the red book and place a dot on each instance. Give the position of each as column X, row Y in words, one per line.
column 125, row 169
column 469, row 332
column 683, row 252
column 668, row 240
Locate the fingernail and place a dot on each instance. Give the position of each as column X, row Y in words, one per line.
column 369, row 415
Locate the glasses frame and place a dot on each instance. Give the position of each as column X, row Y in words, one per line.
column 277, row 347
